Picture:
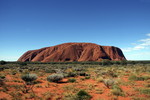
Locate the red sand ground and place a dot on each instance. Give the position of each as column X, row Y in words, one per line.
column 57, row 89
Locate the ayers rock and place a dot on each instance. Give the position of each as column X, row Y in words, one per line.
column 73, row 52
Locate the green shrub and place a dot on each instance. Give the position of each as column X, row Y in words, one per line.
column 2, row 62
column 29, row 77
column 49, row 71
column 78, row 69
column 133, row 77
column 71, row 74
column 29, row 81
column 117, row 62
column 100, row 79
column 145, row 91
column 116, row 90
column 72, row 80
column 124, row 62
column 82, row 79
column 141, row 78
column 22, row 63
column 147, row 85
column 87, row 77
column 108, row 83
column 111, row 73
column 83, row 74
column 106, row 62
column 2, row 77
column 83, row 95
column 1, row 68
column 55, row 77
column 13, row 72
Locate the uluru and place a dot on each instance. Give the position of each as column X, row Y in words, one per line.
column 73, row 52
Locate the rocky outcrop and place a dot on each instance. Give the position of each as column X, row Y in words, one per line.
column 73, row 52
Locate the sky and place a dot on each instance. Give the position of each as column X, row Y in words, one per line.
column 34, row 24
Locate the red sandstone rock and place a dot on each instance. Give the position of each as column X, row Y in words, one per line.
column 73, row 52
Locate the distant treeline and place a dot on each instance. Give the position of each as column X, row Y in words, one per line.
column 104, row 62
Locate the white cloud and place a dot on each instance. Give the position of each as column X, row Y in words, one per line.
column 148, row 34
column 138, row 47
column 144, row 43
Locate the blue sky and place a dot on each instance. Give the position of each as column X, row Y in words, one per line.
column 33, row 24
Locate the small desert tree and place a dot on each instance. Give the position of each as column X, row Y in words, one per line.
column 28, row 81
column 2, row 62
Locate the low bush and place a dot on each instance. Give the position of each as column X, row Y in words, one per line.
column 2, row 62
column 71, row 74
column 83, row 95
column 22, row 63
column 140, row 78
column 83, row 74
column 29, row 81
column 2, row 77
column 147, row 85
column 111, row 74
column 72, row 80
column 2, row 68
column 108, row 82
column 13, row 72
column 29, row 77
column 145, row 91
column 49, row 71
column 87, row 77
column 116, row 90
column 78, row 69
column 100, row 79
column 55, row 77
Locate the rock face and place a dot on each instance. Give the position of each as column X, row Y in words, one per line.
column 73, row 52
